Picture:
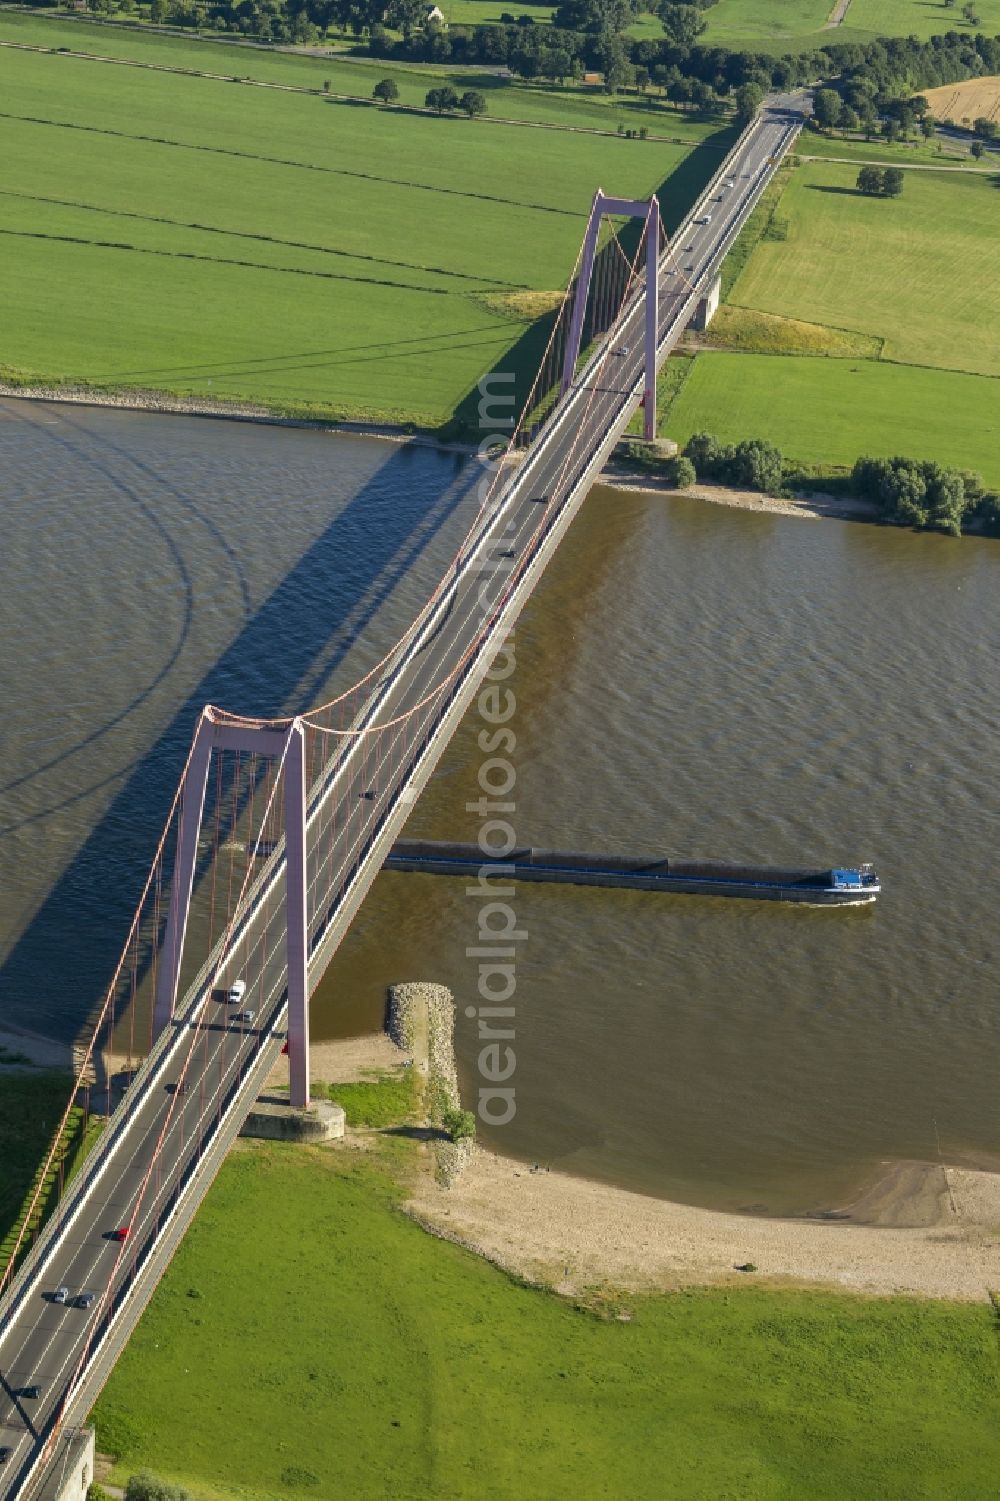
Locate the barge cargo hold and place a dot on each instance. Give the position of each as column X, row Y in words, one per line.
column 837, row 886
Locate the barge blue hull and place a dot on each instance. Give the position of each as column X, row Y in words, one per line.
column 826, row 887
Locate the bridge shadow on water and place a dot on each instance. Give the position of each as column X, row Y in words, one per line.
column 280, row 661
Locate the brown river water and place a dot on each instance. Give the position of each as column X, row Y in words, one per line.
column 690, row 680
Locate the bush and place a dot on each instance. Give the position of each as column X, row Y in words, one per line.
column 753, row 464
column 460, row 1124
column 681, row 472
column 147, row 1487
column 911, row 492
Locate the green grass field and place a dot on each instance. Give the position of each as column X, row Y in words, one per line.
column 921, row 18
column 309, row 1341
column 31, row 1106
column 748, row 21
column 790, row 25
column 572, row 106
column 202, row 237
column 933, row 153
column 921, row 271
column 830, row 411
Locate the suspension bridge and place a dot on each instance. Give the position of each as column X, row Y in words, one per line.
column 279, row 827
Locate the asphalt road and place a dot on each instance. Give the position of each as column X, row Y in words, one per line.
column 160, row 1154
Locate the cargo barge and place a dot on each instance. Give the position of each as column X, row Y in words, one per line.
column 827, row 886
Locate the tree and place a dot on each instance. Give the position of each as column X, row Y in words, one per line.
column 441, row 99
column 749, row 98
column 613, row 54
column 756, row 465
column 826, row 108
column 460, row 1124
column 704, row 451
column 892, row 182
column 976, row 149
column 147, row 1487
column 871, row 181
column 987, row 130
column 473, row 103
column 557, row 63
column 683, row 24
column 681, row 472
column 849, row 119
column 405, row 15
column 386, row 90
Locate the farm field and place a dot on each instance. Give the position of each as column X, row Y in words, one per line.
column 964, row 103
column 747, row 21
column 831, row 411
column 185, row 235
column 920, row 18
column 361, row 1357
column 921, row 271
column 793, row 25
column 938, row 152
column 572, row 106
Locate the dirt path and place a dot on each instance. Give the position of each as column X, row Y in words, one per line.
column 836, row 16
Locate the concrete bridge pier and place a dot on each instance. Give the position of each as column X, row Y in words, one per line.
column 70, row 1471
column 707, row 307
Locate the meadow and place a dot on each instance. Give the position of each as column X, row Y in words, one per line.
column 921, row 271
column 921, row 18
column 560, row 107
column 31, row 1106
column 309, row 1340
column 777, row 26
column 830, row 411
column 192, row 236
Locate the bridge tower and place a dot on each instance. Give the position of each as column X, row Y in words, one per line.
column 633, row 208
column 288, row 747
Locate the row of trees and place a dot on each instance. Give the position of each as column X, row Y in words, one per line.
column 914, row 492
column 908, row 492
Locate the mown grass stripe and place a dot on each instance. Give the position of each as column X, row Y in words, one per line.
column 279, row 161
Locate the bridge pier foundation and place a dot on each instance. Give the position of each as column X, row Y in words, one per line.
column 707, row 307
column 70, row 1470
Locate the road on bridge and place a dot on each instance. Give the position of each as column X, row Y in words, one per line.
column 163, row 1145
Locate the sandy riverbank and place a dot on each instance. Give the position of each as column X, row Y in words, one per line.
column 572, row 1233
column 841, row 507
column 32, row 1050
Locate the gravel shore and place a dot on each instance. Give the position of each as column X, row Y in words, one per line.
column 572, row 1233
column 840, row 507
